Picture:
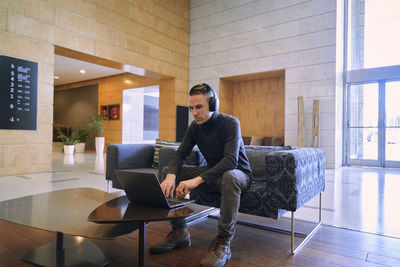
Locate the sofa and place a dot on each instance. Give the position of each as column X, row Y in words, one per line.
column 285, row 178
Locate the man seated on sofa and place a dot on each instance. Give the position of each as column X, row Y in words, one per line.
column 218, row 138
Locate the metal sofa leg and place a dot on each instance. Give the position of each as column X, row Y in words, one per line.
column 292, row 233
column 315, row 229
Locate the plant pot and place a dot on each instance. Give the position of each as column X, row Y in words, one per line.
column 69, row 149
column 99, row 145
column 80, row 148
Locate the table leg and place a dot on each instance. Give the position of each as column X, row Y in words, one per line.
column 60, row 249
column 142, row 244
column 60, row 241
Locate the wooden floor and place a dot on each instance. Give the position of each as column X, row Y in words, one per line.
column 330, row 246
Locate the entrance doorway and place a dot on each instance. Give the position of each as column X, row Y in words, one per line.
column 140, row 115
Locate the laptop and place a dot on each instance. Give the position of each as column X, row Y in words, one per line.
column 144, row 188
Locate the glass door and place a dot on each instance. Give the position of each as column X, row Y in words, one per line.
column 373, row 124
column 392, row 124
column 363, row 124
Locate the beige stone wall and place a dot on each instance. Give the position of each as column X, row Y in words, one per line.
column 231, row 38
column 150, row 34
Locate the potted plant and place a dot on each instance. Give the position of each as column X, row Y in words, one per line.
column 95, row 123
column 81, row 136
column 69, row 141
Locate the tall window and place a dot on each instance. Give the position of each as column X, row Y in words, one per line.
column 140, row 115
column 372, row 82
column 373, row 33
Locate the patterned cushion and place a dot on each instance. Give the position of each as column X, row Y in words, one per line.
column 161, row 143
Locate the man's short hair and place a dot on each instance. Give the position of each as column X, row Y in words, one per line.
column 203, row 89
column 206, row 90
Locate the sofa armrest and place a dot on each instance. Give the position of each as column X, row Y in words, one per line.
column 127, row 156
column 295, row 176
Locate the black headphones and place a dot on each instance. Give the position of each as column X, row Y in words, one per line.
column 206, row 89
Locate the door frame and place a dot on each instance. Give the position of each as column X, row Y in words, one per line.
column 362, row 162
column 388, row 163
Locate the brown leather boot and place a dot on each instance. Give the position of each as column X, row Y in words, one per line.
column 218, row 253
column 177, row 238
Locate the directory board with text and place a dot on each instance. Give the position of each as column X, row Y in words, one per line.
column 18, row 93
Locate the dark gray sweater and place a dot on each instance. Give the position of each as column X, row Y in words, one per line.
column 220, row 141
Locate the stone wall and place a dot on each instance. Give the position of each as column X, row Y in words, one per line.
column 236, row 37
column 150, row 34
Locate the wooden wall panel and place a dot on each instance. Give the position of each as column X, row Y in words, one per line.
column 225, row 96
column 259, row 104
column 167, row 111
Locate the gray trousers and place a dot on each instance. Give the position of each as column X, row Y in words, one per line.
column 230, row 185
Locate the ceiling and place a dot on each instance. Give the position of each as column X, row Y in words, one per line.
column 68, row 70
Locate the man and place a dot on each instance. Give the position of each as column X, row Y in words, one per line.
column 228, row 171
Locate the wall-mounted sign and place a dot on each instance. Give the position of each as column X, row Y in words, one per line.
column 18, row 93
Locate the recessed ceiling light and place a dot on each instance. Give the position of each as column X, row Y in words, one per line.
column 82, row 71
column 56, row 77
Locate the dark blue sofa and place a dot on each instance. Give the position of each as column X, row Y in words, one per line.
column 284, row 180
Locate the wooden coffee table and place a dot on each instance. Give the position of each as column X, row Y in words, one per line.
column 65, row 212
column 121, row 210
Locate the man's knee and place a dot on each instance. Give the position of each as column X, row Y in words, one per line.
column 229, row 179
column 234, row 179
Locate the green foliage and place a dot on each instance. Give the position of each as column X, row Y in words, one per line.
column 81, row 135
column 68, row 139
column 95, row 123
